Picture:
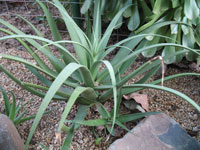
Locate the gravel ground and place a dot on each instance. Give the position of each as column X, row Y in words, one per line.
column 172, row 105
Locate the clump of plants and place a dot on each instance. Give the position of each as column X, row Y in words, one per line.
column 12, row 109
column 88, row 79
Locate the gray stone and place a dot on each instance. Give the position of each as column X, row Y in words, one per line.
column 9, row 137
column 156, row 132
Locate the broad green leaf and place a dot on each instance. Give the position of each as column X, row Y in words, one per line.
column 169, row 52
column 159, row 6
column 151, row 52
column 177, row 14
column 198, row 3
column 175, row 3
column 191, row 10
column 128, row 12
column 189, row 40
column 184, row 28
column 86, row 6
column 134, row 20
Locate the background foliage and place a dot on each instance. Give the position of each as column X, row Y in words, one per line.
column 182, row 19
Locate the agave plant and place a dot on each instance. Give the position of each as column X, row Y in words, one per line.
column 12, row 110
column 87, row 79
column 143, row 14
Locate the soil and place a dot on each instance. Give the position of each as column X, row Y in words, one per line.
column 84, row 138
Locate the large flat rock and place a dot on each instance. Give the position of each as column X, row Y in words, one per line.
column 156, row 132
column 9, row 137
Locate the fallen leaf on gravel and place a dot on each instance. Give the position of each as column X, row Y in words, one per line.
column 139, row 98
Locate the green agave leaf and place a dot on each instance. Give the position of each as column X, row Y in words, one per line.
column 145, row 67
column 76, row 93
column 149, row 74
column 41, row 48
column 134, row 20
column 106, row 36
column 122, row 126
column 54, row 30
column 135, row 116
column 92, row 123
column 31, row 90
column 64, row 95
column 18, row 117
column 57, row 64
column 76, row 34
column 102, row 110
column 21, row 120
column 18, row 59
column 183, row 96
column 68, row 140
column 97, row 21
column 12, row 113
column 64, row 74
column 191, row 10
column 82, row 112
column 32, row 53
column 116, row 66
column 33, row 27
column 127, row 91
column 119, row 23
column 6, row 102
column 86, row 6
column 113, row 79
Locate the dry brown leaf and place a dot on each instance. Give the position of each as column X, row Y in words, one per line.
column 139, row 98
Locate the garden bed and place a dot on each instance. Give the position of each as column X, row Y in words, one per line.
column 84, row 138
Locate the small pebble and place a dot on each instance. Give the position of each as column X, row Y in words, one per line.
column 195, row 129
